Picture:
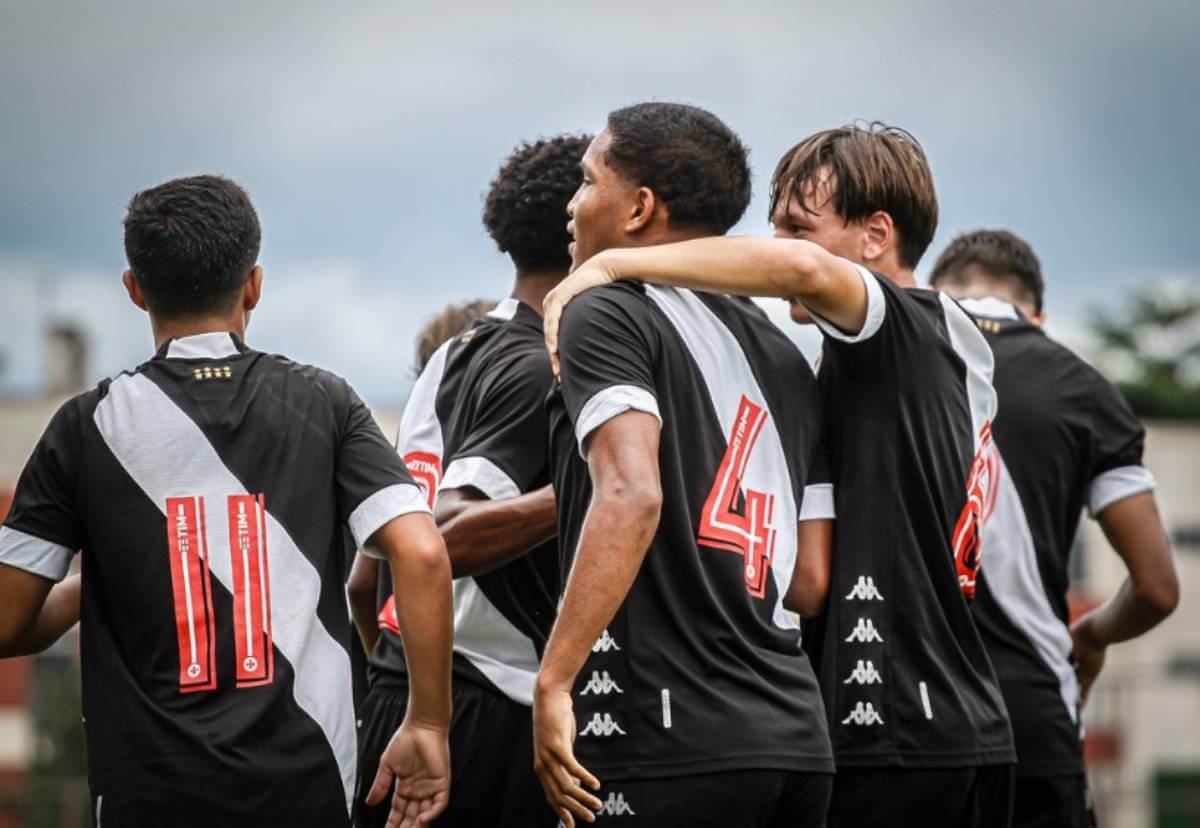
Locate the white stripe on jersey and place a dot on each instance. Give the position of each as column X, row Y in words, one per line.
column 380, row 508
column 728, row 377
column 40, row 557
column 1014, row 579
column 973, row 349
column 419, row 426
column 167, row 455
column 818, row 502
column 1118, row 484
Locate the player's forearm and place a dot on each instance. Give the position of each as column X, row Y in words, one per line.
column 616, row 534
column 811, row 576
column 58, row 613
column 1124, row 616
column 361, row 591
column 482, row 535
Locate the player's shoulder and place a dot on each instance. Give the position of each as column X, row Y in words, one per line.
column 304, row 379
column 623, row 298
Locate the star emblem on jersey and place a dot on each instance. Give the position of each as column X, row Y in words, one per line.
column 864, row 713
column 602, row 725
column 864, row 673
column 600, row 684
column 865, row 590
column 864, row 632
column 605, row 643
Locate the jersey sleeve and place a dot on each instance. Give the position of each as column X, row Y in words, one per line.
column 373, row 484
column 504, row 453
column 1117, row 441
column 606, row 352
column 881, row 321
column 817, row 498
column 43, row 531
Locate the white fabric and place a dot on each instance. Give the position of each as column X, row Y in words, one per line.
column 608, row 403
column 728, row 377
column 876, row 310
column 490, row 642
column 215, row 345
column 990, row 307
column 506, row 309
column 32, row 554
column 976, row 354
column 166, row 454
column 420, row 429
column 1118, row 484
column 818, row 502
column 380, row 508
column 482, row 474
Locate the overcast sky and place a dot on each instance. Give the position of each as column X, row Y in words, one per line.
column 366, row 133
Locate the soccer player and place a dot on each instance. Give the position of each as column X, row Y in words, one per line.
column 1067, row 441
column 207, row 491
column 918, row 724
column 694, row 512
column 475, row 434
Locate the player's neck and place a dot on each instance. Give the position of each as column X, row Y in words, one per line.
column 531, row 286
column 168, row 329
column 901, row 276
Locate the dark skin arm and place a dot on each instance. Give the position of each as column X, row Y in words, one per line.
column 483, row 534
column 809, row 589
column 361, row 590
column 617, row 530
column 22, row 596
column 1149, row 594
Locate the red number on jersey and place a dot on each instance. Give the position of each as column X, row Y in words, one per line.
column 736, row 520
column 982, row 485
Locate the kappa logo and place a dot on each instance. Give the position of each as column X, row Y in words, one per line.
column 615, row 805
column 605, row 643
column 865, row 590
column 600, row 684
column 864, row 632
column 864, row 673
column 864, row 713
column 602, row 725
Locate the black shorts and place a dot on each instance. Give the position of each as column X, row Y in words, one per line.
column 746, row 799
column 979, row 797
column 1053, row 801
column 492, row 782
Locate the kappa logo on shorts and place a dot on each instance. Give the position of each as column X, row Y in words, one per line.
column 864, row 713
column 864, row 632
column 864, row 673
column 865, row 590
column 602, row 725
column 615, row 805
column 605, row 643
column 600, row 684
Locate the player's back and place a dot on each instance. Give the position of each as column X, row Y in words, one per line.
column 208, row 491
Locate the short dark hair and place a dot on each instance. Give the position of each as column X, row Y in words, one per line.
column 1003, row 255
column 692, row 161
column 875, row 167
column 525, row 210
column 191, row 243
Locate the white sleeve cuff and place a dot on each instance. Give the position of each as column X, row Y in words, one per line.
column 817, row 503
column 383, row 506
column 479, row 473
column 608, row 403
column 1118, row 484
column 876, row 310
column 32, row 554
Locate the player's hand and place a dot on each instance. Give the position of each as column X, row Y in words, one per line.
column 592, row 273
column 1089, row 657
column 417, row 760
column 561, row 775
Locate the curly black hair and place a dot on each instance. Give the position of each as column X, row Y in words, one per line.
column 525, row 210
column 692, row 161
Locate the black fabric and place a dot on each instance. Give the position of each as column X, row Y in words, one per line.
column 974, row 797
column 1053, row 801
column 902, row 444
column 746, row 799
column 492, row 783
column 692, row 675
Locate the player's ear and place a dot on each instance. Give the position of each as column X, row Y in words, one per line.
column 1038, row 318
column 641, row 212
column 879, row 233
column 133, row 289
column 252, row 292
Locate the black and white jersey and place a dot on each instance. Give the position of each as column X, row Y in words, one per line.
column 909, row 403
column 477, row 419
column 207, row 492
column 700, row 670
column 1067, row 440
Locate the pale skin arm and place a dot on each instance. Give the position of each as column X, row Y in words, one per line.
column 417, row 759
column 37, row 612
column 828, row 285
column 809, row 589
column 1148, row 595
column 617, row 531
column 483, row 534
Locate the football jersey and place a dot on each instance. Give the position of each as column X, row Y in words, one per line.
column 700, row 669
column 207, row 492
column 909, row 403
column 477, row 418
column 1067, row 440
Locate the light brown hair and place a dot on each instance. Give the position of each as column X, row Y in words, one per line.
column 451, row 320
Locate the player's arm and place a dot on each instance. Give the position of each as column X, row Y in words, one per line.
column 1149, row 594
column 622, row 457
column 809, row 589
column 362, row 588
column 57, row 611
column 828, row 285
column 483, row 534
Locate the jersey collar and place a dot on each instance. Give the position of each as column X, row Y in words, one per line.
column 514, row 310
column 214, row 345
column 990, row 307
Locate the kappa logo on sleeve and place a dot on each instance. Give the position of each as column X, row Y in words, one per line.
column 863, row 714
column 602, row 725
column 864, row 632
